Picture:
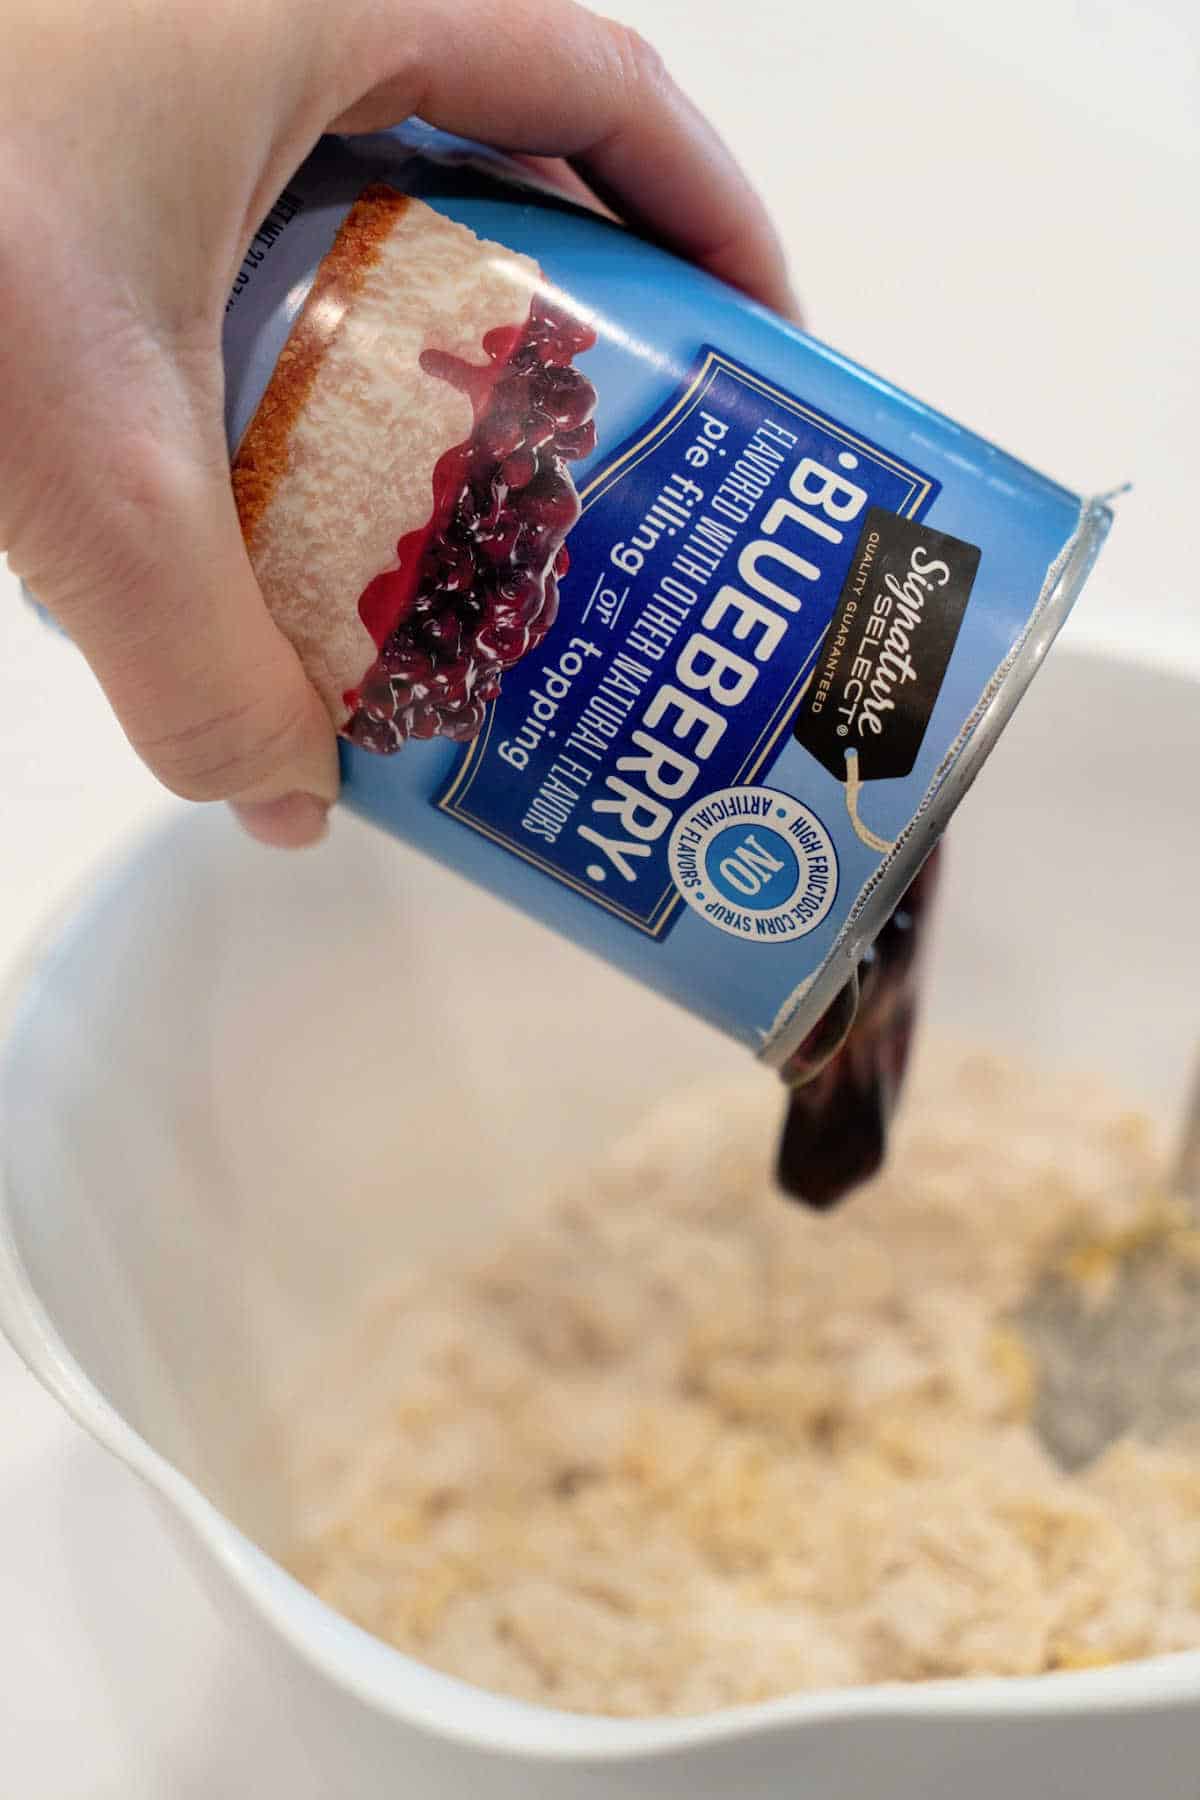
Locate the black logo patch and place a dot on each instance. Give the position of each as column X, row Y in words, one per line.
column 881, row 666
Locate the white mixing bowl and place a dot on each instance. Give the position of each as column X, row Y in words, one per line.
column 211, row 1107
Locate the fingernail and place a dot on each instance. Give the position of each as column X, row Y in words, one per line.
column 290, row 823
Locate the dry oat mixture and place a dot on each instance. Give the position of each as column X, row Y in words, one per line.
column 676, row 1445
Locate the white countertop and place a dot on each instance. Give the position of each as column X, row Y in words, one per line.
column 995, row 206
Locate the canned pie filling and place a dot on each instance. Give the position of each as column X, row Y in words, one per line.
column 632, row 602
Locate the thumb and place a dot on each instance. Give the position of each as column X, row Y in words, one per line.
column 159, row 595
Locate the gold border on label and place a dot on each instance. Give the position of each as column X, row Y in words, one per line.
column 714, row 363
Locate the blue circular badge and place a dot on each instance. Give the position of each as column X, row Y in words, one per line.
column 755, row 863
column 752, row 865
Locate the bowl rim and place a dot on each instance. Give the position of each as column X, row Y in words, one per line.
column 387, row 1680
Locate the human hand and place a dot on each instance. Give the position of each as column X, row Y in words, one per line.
column 142, row 143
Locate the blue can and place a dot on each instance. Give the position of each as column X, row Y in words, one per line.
column 632, row 602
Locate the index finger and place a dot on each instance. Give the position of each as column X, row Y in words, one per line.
column 548, row 78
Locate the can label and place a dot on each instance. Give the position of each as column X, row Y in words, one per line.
column 710, row 551
column 630, row 601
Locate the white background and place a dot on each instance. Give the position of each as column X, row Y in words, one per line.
column 996, row 206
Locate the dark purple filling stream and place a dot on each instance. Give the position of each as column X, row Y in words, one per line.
column 836, row 1130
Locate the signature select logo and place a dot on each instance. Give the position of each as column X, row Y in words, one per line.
column 884, row 662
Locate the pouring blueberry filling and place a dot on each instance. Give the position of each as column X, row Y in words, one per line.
column 846, row 1083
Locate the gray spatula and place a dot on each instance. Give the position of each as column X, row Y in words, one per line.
column 1126, row 1361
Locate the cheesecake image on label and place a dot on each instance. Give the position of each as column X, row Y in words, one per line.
column 404, row 486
